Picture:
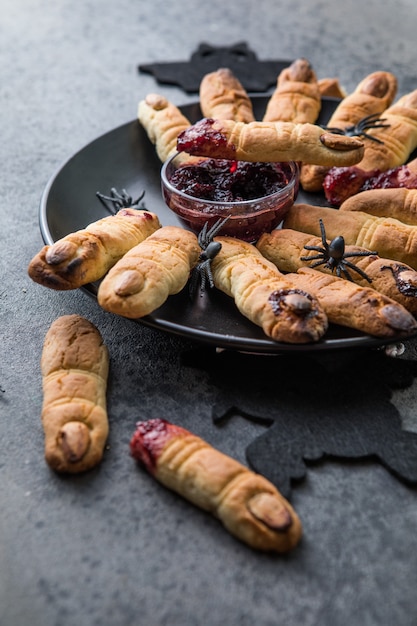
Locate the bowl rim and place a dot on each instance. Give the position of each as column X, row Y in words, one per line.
column 295, row 170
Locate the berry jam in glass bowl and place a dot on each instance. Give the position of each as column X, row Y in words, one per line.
column 254, row 196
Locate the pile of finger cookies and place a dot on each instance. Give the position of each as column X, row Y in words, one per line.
column 292, row 283
column 379, row 231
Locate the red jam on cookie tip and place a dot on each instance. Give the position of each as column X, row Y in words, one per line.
column 150, row 438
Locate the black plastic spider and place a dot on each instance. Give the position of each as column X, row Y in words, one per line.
column 333, row 256
column 202, row 271
column 122, row 200
column 359, row 129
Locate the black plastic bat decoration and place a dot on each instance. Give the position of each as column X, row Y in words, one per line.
column 254, row 74
column 313, row 408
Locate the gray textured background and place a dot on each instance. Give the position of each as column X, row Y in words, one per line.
column 113, row 547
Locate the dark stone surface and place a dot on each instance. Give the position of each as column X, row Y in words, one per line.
column 112, row 546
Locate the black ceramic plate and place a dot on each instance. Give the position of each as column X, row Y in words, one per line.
column 124, row 158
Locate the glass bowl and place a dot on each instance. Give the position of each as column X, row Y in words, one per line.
column 248, row 218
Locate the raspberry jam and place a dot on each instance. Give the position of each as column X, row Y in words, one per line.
column 202, row 134
column 255, row 196
column 342, row 182
column 220, row 180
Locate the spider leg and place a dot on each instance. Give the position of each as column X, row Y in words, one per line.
column 194, row 279
column 341, row 269
column 113, row 208
column 208, row 273
column 363, row 134
column 361, row 253
column 125, row 200
column 123, row 196
column 201, row 274
column 358, row 270
column 202, row 236
column 316, row 248
column 119, row 200
column 323, row 234
column 317, row 263
column 136, row 202
column 378, row 124
column 216, row 227
column 323, row 250
column 115, row 194
column 203, row 278
column 320, row 256
column 206, row 234
column 198, row 275
column 334, row 130
column 369, row 119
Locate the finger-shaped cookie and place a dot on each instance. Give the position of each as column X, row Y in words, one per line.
column 353, row 306
column 396, row 140
column 265, row 296
column 331, row 88
column 86, row 255
column 340, row 183
column 74, row 368
column 390, row 238
column 286, row 248
column 222, row 96
column 399, row 203
column 297, row 96
column 247, row 504
column 269, row 142
column 143, row 279
column 372, row 96
column 163, row 122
